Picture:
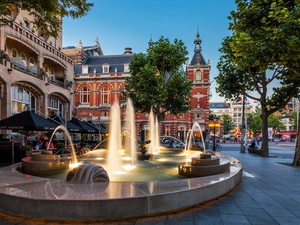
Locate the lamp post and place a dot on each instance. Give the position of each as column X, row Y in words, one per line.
column 174, row 126
column 91, row 119
column 242, row 149
column 214, row 144
column 99, row 129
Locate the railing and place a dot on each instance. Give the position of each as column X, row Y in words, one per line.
column 27, row 34
column 26, row 70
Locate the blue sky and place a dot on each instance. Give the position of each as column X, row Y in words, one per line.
column 131, row 23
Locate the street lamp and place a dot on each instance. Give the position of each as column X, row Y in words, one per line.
column 174, row 128
column 214, row 123
column 214, row 144
column 99, row 129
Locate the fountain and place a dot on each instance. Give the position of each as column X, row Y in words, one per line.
column 45, row 162
column 206, row 164
column 96, row 190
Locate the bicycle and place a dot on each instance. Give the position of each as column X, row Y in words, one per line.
column 218, row 147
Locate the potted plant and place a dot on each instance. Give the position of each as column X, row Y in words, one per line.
column 59, row 145
column 24, row 151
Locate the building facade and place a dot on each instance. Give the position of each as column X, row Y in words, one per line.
column 34, row 72
column 100, row 78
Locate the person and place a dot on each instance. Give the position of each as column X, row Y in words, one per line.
column 38, row 145
column 258, row 140
column 51, row 145
column 252, row 145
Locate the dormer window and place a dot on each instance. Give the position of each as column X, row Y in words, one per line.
column 85, row 69
column 126, row 68
column 105, row 68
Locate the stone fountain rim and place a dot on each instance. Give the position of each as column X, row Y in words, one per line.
column 43, row 198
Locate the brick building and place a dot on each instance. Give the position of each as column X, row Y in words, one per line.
column 100, row 78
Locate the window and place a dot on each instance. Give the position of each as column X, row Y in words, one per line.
column 46, row 69
column 105, row 68
column 84, row 95
column 14, row 53
column 105, row 94
column 85, row 69
column 21, row 98
column 55, row 105
column 198, row 75
column 26, row 24
column 23, row 57
column 31, row 61
column 126, row 68
column 52, row 74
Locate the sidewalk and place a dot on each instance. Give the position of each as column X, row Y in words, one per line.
column 268, row 194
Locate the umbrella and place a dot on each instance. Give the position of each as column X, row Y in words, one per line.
column 71, row 127
column 87, row 128
column 103, row 129
column 27, row 120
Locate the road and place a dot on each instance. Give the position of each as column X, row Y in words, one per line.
column 276, row 149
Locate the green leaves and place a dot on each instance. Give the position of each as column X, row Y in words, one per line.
column 47, row 13
column 157, row 81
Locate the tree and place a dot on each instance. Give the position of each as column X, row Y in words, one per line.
column 254, row 121
column 293, row 120
column 249, row 63
column 157, row 80
column 275, row 122
column 227, row 123
column 47, row 13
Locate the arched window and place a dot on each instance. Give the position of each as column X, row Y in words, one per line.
column 52, row 74
column 105, row 94
column 23, row 57
column 14, row 53
column 21, row 98
column 27, row 24
column 46, row 69
column 84, row 95
column 31, row 61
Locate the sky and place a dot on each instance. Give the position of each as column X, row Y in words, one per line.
column 131, row 23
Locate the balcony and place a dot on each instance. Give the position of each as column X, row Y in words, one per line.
column 19, row 32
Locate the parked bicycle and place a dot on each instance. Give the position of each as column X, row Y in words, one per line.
column 218, row 147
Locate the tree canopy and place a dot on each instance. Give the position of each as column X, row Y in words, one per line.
column 256, row 59
column 157, row 80
column 47, row 13
column 227, row 123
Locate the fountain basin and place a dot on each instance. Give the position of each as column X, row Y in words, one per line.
column 54, row 199
column 44, row 164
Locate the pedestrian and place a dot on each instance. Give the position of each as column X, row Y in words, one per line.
column 258, row 140
column 38, row 145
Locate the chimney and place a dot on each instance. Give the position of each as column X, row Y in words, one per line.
column 128, row 51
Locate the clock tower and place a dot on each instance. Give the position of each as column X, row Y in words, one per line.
column 198, row 71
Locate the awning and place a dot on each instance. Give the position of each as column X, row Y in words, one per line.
column 103, row 129
column 86, row 127
column 71, row 127
column 27, row 120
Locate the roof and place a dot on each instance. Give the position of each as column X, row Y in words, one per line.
column 96, row 63
column 194, row 59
